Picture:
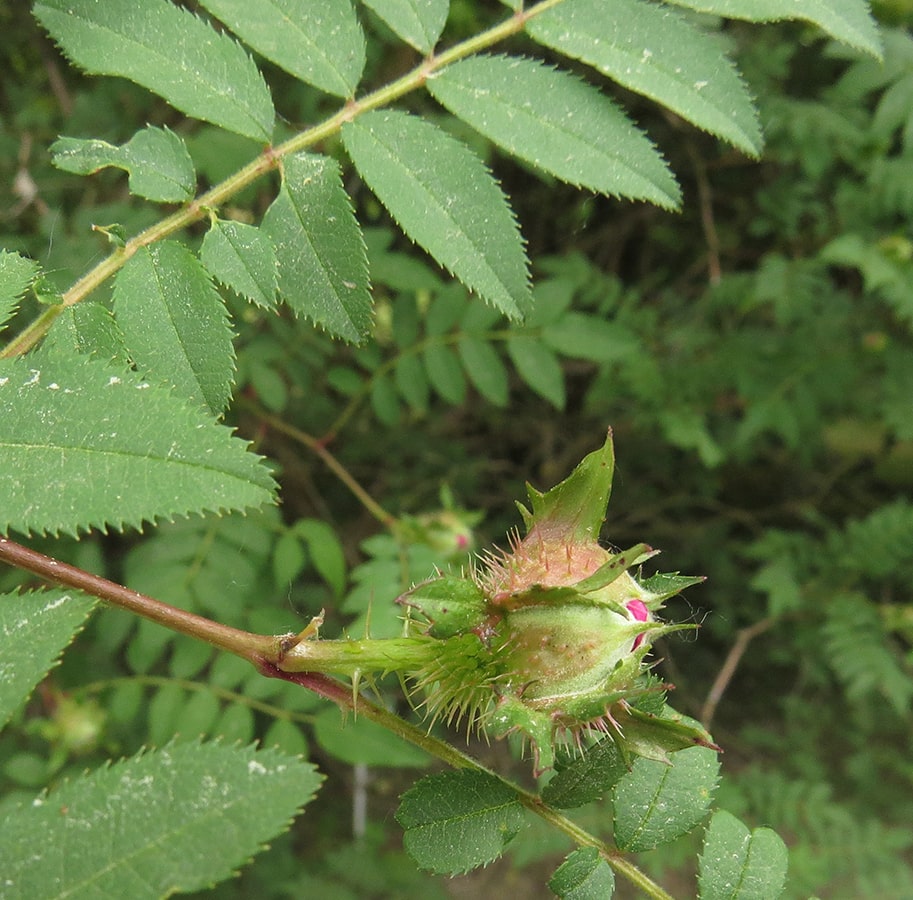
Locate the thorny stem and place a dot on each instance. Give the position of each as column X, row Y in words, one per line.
column 269, row 160
column 242, row 643
column 267, row 652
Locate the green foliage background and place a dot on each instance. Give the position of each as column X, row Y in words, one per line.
column 753, row 354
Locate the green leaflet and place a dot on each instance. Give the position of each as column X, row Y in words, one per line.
column 168, row 821
column 654, row 51
column 557, row 122
column 16, row 274
column 584, row 875
column 242, row 257
column 175, row 324
column 456, row 821
column 418, row 22
column 738, row 864
column 325, row 552
column 412, row 382
column 846, row 20
column 655, row 803
column 485, row 369
column 168, row 50
column 588, row 778
column 445, row 373
column 318, row 41
column 34, row 630
column 583, row 336
column 158, row 162
column 445, row 199
column 83, row 445
column 323, row 269
column 538, row 366
column 88, row 328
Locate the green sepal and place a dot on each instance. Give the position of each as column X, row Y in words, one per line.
column 662, row 586
column 611, row 570
column 655, row 737
column 574, row 510
column 451, row 605
column 511, row 714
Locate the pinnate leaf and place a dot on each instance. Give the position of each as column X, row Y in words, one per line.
column 655, row 803
column 168, row 50
column 34, row 629
column 846, row 20
column 456, row 821
column 174, row 820
column 583, row 876
column 242, row 257
column 318, row 41
column 655, row 52
column 84, row 445
column 557, row 122
column 16, row 274
column 738, row 864
column 323, row 268
column 158, row 162
column 445, row 199
column 175, row 324
column 418, row 22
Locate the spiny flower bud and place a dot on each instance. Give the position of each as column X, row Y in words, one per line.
column 550, row 638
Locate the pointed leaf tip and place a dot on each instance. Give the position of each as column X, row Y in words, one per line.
column 575, row 509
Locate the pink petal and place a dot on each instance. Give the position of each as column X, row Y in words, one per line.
column 639, row 610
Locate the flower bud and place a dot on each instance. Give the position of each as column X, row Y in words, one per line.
column 561, row 630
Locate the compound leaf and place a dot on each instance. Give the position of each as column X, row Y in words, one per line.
column 583, row 876
column 456, row 821
column 418, row 22
column 34, row 629
column 738, row 864
column 445, row 199
column 655, row 803
column 849, row 21
column 168, row 50
column 84, row 445
column 655, row 52
column 318, row 41
column 242, row 257
column 323, row 268
column 557, row 122
column 159, row 165
column 174, row 820
column 175, row 324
